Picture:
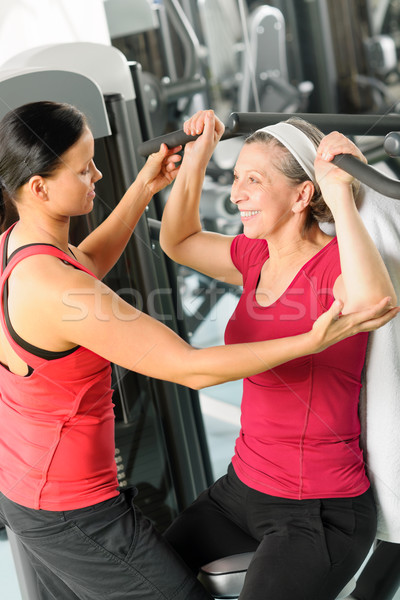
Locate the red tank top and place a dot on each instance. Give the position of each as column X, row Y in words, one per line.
column 57, row 423
column 300, row 428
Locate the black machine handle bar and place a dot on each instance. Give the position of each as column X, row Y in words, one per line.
column 240, row 124
column 368, row 175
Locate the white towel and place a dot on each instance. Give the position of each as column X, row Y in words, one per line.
column 380, row 395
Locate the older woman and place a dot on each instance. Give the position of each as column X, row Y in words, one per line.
column 296, row 490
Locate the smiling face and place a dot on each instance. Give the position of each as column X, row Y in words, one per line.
column 265, row 198
column 71, row 188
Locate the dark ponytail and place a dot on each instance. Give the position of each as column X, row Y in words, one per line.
column 33, row 139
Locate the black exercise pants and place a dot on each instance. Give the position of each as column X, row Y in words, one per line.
column 304, row 550
column 108, row 551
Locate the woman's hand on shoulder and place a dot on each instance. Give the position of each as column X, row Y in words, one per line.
column 332, row 327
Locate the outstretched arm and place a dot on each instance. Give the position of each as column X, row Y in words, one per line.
column 101, row 249
column 79, row 310
column 364, row 279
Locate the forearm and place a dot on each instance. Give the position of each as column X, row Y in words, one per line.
column 181, row 218
column 181, row 215
column 212, row 366
column 365, row 277
column 106, row 243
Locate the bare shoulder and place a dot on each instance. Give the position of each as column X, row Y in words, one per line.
column 40, row 292
column 46, row 273
column 47, row 284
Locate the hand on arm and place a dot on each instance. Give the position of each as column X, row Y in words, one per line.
column 332, row 327
column 103, row 247
column 364, row 279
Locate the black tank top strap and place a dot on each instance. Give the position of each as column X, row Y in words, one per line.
column 5, row 260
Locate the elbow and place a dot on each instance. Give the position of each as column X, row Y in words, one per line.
column 167, row 247
column 199, row 379
column 385, row 292
column 197, row 386
column 370, row 300
column 201, row 370
column 198, row 382
column 393, row 296
column 164, row 242
column 195, row 382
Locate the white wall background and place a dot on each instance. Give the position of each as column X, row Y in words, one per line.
column 26, row 24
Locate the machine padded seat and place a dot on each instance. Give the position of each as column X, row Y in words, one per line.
column 224, row 578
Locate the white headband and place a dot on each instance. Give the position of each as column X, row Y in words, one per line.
column 297, row 143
